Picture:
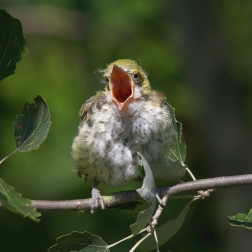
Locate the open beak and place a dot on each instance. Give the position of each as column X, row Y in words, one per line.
column 121, row 87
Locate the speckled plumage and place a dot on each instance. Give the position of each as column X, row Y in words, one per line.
column 108, row 138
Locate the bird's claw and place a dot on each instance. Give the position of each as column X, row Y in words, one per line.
column 97, row 201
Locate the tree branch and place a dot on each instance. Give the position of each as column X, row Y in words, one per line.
column 131, row 196
column 204, row 184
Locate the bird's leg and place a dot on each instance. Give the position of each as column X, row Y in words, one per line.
column 97, row 199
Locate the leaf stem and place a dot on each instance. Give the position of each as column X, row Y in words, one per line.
column 141, row 240
column 156, row 240
column 126, row 238
column 191, row 174
column 8, row 156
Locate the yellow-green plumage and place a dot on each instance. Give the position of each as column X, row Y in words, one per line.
column 112, row 130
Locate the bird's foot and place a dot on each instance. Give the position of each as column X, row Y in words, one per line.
column 97, row 201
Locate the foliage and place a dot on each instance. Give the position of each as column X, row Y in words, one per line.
column 241, row 220
column 14, row 202
column 165, row 232
column 31, row 129
column 148, row 193
column 207, row 86
column 79, row 241
column 12, row 44
column 31, row 126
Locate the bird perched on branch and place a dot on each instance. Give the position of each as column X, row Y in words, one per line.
column 128, row 117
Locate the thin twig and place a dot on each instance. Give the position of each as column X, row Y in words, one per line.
column 126, row 238
column 156, row 239
column 156, row 216
column 8, row 156
column 140, row 241
column 191, row 174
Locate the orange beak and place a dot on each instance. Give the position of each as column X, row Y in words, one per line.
column 122, row 87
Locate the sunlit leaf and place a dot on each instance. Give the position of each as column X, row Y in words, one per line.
column 241, row 220
column 148, row 193
column 172, row 166
column 177, row 147
column 79, row 241
column 32, row 125
column 12, row 44
column 164, row 233
column 14, row 202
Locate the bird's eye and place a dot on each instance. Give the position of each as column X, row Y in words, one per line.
column 136, row 75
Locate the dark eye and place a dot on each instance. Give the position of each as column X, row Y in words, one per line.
column 136, row 75
column 107, row 79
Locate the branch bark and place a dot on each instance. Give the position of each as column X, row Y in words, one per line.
column 118, row 198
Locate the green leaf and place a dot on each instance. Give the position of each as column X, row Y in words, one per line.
column 12, row 44
column 241, row 220
column 177, row 147
column 14, row 202
column 79, row 241
column 148, row 193
column 32, row 125
column 172, row 166
column 164, row 233
column 168, row 170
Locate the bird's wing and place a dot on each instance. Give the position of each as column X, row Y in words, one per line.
column 96, row 101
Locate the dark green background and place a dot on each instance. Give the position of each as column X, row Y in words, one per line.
column 199, row 53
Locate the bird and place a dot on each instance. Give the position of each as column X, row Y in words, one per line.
column 126, row 118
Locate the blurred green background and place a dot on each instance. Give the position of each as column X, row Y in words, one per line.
column 199, row 53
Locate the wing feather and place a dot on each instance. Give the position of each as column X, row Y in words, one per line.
column 86, row 109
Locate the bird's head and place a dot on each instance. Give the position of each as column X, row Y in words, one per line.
column 127, row 82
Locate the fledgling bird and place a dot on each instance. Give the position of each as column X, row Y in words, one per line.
column 128, row 117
